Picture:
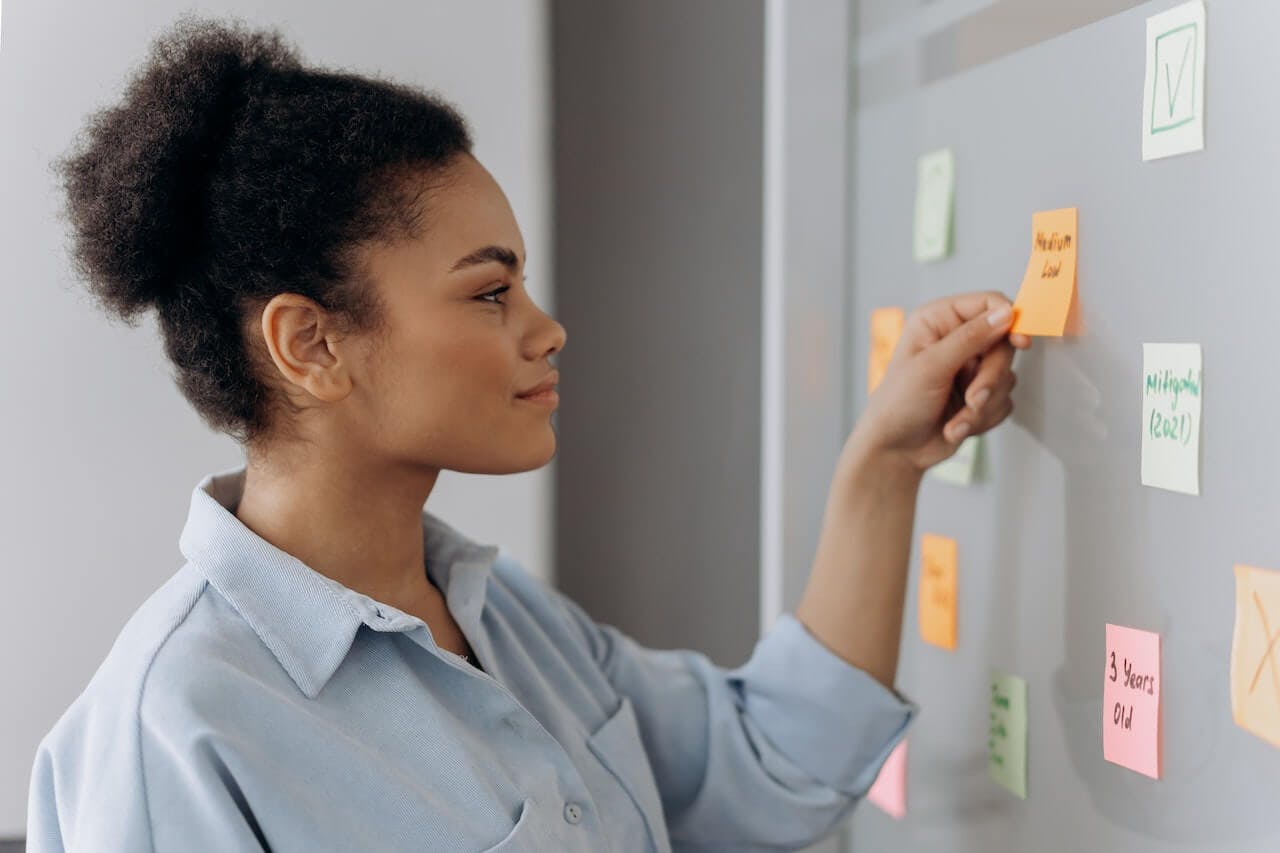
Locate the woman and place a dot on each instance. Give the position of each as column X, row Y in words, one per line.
column 339, row 286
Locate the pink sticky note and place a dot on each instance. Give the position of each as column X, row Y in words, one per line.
column 1131, row 700
column 890, row 789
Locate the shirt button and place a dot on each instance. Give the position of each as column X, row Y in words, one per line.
column 573, row 813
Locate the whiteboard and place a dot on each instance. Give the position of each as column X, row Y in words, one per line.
column 1058, row 537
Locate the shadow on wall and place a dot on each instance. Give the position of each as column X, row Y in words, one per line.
column 18, row 846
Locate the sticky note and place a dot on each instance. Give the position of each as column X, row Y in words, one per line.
column 938, row 590
column 1171, row 388
column 958, row 470
column 1173, row 90
column 1131, row 700
column 1049, row 286
column 935, row 201
column 1255, row 653
column 889, row 791
column 886, row 328
column 1007, row 740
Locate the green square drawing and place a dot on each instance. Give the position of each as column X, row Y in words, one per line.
column 1193, row 53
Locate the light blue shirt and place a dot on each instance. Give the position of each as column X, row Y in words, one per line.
column 252, row 703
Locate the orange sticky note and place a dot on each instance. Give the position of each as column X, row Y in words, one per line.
column 1048, row 288
column 1131, row 700
column 890, row 789
column 886, row 328
column 1255, row 653
column 938, row 590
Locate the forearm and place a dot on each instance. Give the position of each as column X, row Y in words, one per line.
column 854, row 598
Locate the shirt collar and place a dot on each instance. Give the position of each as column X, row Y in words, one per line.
column 306, row 619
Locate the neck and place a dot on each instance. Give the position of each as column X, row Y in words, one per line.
column 360, row 526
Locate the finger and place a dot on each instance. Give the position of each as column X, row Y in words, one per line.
column 1001, row 414
column 965, row 423
column 991, row 371
column 990, row 413
column 962, row 380
column 1020, row 341
column 960, row 427
column 943, row 316
column 973, row 338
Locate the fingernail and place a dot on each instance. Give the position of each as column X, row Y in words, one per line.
column 959, row 432
column 979, row 398
column 1000, row 316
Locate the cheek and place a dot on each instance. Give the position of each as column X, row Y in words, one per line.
column 455, row 379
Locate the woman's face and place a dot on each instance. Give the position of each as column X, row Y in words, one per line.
column 463, row 339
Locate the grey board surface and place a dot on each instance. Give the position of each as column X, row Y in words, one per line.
column 1058, row 537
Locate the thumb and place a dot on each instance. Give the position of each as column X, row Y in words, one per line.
column 969, row 340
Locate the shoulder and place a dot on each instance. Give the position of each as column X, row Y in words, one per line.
column 182, row 642
column 93, row 747
column 117, row 683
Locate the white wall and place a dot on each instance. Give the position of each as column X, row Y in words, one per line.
column 103, row 450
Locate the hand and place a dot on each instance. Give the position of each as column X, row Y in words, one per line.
column 949, row 377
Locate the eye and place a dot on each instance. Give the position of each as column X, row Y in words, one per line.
column 497, row 292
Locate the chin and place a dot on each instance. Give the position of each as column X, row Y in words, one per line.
column 513, row 463
column 543, row 458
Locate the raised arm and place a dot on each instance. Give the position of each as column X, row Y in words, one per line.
column 949, row 377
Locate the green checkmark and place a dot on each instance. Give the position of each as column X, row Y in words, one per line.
column 1172, row 89
column 1182, row 69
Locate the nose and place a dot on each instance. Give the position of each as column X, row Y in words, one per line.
column 561, row 337
column 548, row 337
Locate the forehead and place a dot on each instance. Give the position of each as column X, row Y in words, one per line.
column 468, row 210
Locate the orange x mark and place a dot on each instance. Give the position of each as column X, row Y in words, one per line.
column 1255, row 650
column 1269, row 655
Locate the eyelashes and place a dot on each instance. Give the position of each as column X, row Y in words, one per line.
column 499, row 291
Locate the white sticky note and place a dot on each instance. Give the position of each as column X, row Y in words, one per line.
column 1173, row 94
column 958, row 470
column 1171, row 391
column 935, row 198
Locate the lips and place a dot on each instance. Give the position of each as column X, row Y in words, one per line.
column 545, row 385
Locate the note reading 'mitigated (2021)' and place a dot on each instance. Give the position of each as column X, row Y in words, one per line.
column 1171, row 405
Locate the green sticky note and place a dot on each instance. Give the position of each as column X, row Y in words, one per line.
column 1007, row 736
column 958, row 470
column 935, row 199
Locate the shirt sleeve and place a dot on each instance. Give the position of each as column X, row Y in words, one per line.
column 108, row 778
column 770, row 755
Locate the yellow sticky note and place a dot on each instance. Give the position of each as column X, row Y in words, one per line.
column 886, row 328
column 938, row 590
column 1255, row 653
column 1048, row 288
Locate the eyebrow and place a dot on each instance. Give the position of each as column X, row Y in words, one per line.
column 488, row 254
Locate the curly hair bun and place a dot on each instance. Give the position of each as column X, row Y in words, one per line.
column 137, row 183
column 230, row 173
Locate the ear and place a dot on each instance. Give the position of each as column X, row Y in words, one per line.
column 303, row 342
